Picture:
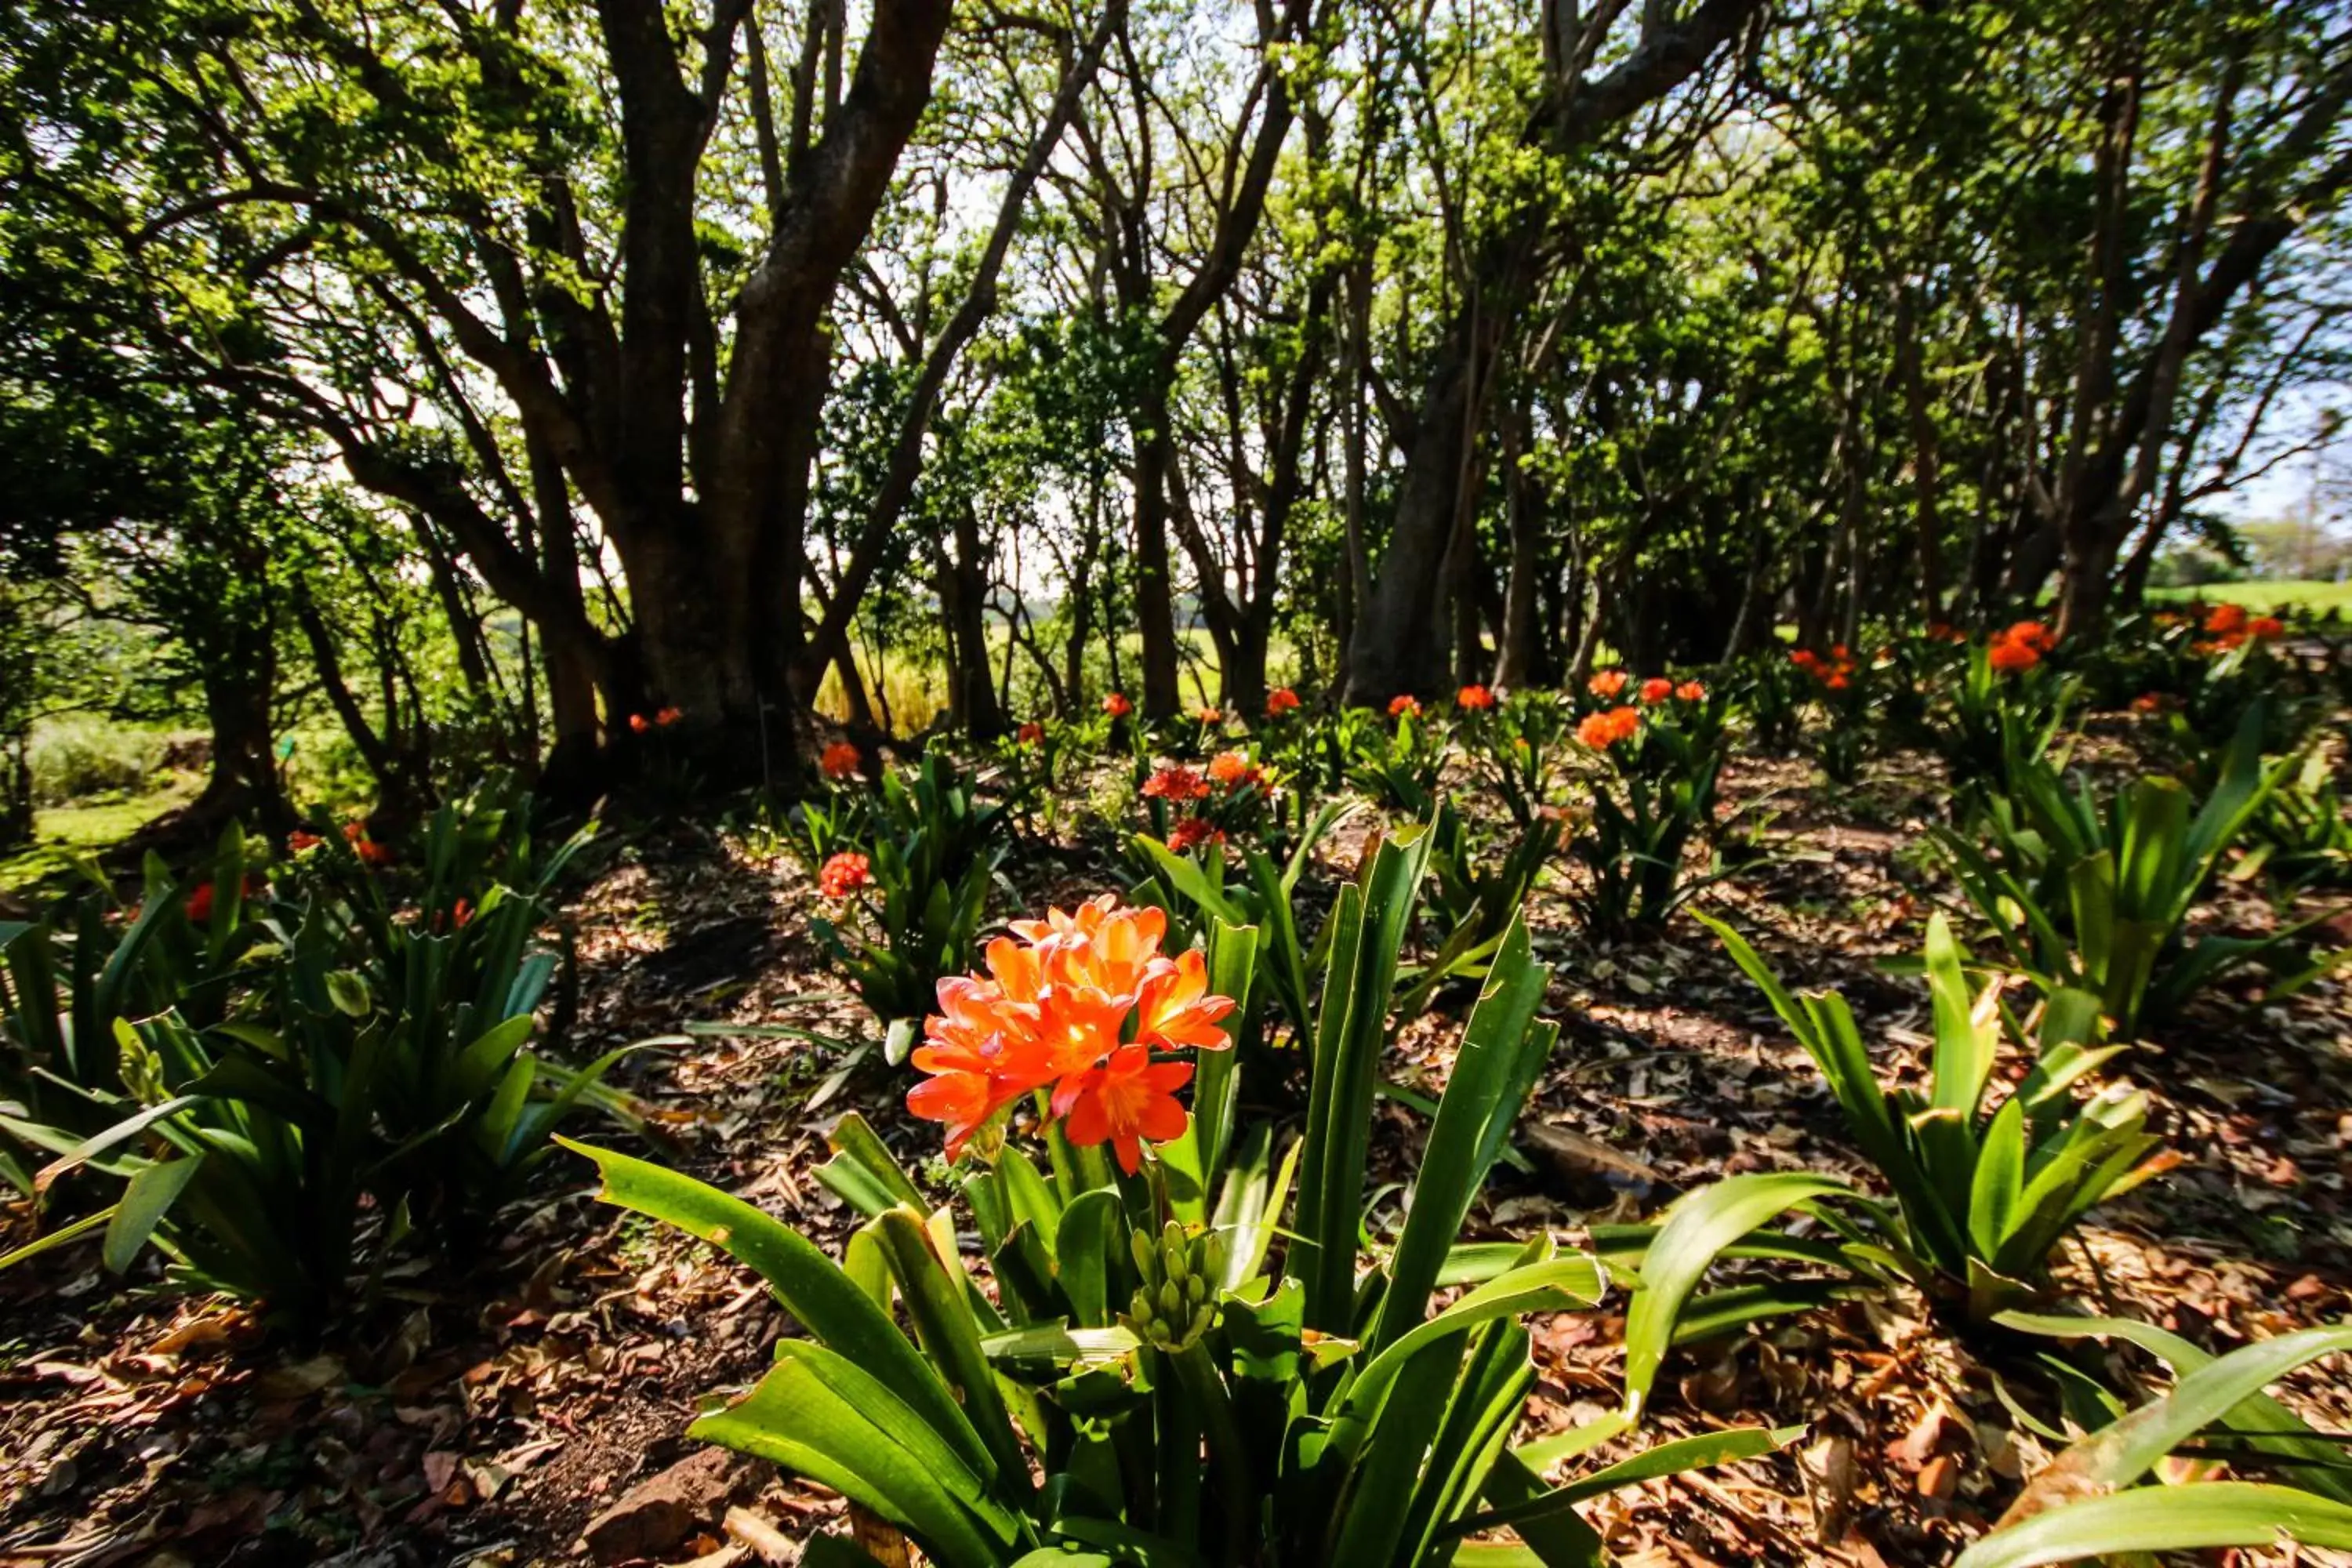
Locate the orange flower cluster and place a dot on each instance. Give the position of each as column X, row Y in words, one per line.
column 1657, row 689
column 1603, row 729
column 639, row 724
column 2021, row 646
column 838, row 761
column 1031, row 734
column 369, row 852
column 1212, row 716
column 2229, row 628
column 1174, row 782
column 843, row 874
column 1079, row 1001
column 1281, row 700
column 2148, row 703
column 1944, row 631
column 298, row 842
column 1117, row 705
column 1192, row 833
column 1400, row 706
column 1607, row 683
column 1473, row 699
column 1690, row 691
column 200, row 897
column 1835, row 672
column 1236, row 771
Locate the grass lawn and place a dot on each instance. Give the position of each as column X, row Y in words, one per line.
column 2315, row 597
column 64, row 834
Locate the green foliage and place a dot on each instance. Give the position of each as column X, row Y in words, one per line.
column 2090, row 1500
column 1983, row 1195
column 1647, row 808
column 2096, row 896
column 932, row 847
column 289, row 1086
column 1997, row 723
column 1185, row 1397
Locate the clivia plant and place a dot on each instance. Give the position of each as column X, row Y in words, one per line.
column 1151, row 1382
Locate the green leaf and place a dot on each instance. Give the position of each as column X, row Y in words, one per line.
column 1697, row 1228
column 1667, row 1458
column 2167, row 1520
column 142, row 1207
column 831, row 1305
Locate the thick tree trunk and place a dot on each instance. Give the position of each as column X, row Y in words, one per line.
column 963, row 598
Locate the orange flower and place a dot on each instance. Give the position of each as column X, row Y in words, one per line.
column 667, row 717
column 1173, row 782
column 1607, row 683
column 1031, row 734
column 200, row 902
column 637, row 725
column 1054, row 1007
column 1128, row 1100
column 2224, row 619
column 354, row 831
column 2032, row 635
column 1657, row 689
column 1117, row 705
column 2263, row 628
column 1400, row 706
column 1234, row 770
column 843, row 874
column 1212, row 716
column 1691, row 691
column 1191, row 834
column 1281, row 700
column 1804, row 659
column 2147, row 702
column 1473, row 699
column 1944, row 631
column 2006, row 653
column 298, row 842
column 371, row 853
column 839, row 761
column 1603, row 729
column 1838, row 680
column 462, row 914
column 1839, row 653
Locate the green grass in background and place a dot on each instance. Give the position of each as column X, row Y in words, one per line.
column 2316, row 598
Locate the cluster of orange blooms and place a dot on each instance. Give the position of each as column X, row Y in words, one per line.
column 200, row 897
column 839, row 761
column 1192, row 833
column 1404, row 704
column 1236, row 772
column 1603, row 729
column 1174, row 781
column 1212, row 716
column 1031, row 734
column 1117, row 705
column 2229, row 628
column 1835, row 672
column 639, row 724
column 1473, row 699
column 2021, row 646
column 1281, row 700
column 1077, row 1003
column 843, row 874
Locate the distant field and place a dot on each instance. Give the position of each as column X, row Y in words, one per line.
column 2315, row 596
column 63, row 834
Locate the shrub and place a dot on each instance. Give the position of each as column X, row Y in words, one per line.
column 2096, row 897
column 1148, row 1384
column 83, row 754
column 1999, row 718
column 359, row 1072
column 1983, row 1196
column 928, row 847
column 1657, row 792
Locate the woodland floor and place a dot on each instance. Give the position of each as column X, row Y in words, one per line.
column 487, row 1418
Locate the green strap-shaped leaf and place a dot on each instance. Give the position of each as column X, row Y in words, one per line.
column 2121, row 1453
column 2166, row 1519
column 1473, row 1118
column 1697, row 1229
column 812, row 1287
column 142, row 1206
column 1668, row 1458
column 942, row 1307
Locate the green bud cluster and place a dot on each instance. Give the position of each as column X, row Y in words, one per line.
column 1174, row 1307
